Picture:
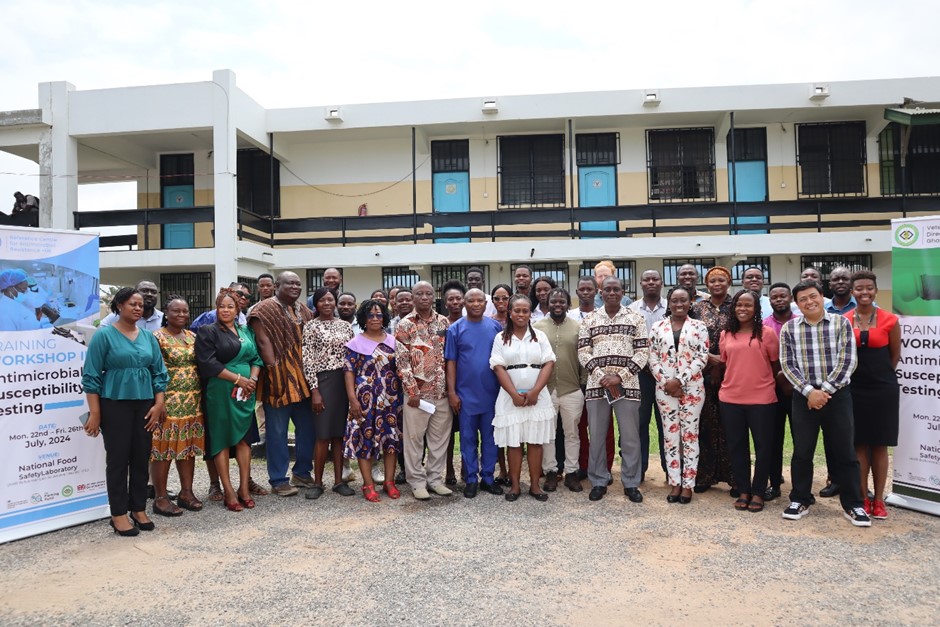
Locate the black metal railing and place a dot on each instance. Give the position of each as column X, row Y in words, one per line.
column 552, row 223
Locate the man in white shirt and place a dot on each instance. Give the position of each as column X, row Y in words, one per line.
column 152, row 318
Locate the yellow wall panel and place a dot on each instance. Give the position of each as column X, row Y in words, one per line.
column 781, row 182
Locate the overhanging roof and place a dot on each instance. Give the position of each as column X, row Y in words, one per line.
column 913, row 117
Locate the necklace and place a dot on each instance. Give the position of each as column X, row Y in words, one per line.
column 871, row 320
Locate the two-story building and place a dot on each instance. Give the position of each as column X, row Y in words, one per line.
column 778, row 176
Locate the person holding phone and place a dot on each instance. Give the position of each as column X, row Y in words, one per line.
column 613, row 347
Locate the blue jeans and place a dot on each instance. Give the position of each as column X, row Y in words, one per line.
column 470, row 426
column 277, row 453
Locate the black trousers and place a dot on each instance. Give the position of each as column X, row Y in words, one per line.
column 838, row 426
column 738, row 421
column 648, row 408
column 127, row 453
column 784, row 402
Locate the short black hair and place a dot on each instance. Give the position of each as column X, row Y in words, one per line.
column 586, row 277
column 474, row 269
column 265, row 276
column 500, row 286
column 122, row 296
column 321, row 292
column 562, row 291
column 780, row 284
column 806, row 285
column 366, row 307
column 341, row 294
column 861, row 275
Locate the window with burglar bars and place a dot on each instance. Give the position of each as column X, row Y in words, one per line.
column 254, row 183
column 451, row 155
column 671, row 270
column 532, row 170
column 597, row 149
column 558, row 272
column 681, row 164
column 442, row 274
column 626, row 272
column 394, row 276
column 750, row 144
column 826, row 263
column 195, row 287
column 737, row 270
column 922, row 170
column 831, row 159
column 315, row 279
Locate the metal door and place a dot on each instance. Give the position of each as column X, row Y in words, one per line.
column 747, row 182
column 178, row 235
column 451, row 194
column 597, row 187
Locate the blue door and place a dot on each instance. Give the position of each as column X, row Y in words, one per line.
column 178, row 235
column 748, row 183
column 597, row 187
column 451, row 194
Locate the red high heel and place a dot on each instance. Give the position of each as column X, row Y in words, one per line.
column 249, row 503
column 369, row 492
column 234, row 507
column 391, row 490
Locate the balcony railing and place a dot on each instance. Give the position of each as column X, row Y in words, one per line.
column 634, row 220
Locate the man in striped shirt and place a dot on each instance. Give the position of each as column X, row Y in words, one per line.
column 817, row 356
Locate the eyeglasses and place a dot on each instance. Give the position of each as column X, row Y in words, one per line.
column 374, row 316
column 244, row 295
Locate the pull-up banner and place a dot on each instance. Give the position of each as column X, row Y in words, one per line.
column 915, row 279
column 52, row 474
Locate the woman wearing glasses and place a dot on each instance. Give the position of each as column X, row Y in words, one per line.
column 500, row 296
column 375, row 398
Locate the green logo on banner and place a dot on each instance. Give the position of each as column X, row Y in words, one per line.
column 67, row 491
column 906, row 235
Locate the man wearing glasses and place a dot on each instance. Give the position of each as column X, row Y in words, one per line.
column 152, row 318
column 208, row 317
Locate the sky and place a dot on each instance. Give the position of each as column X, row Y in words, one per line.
column 288, row 54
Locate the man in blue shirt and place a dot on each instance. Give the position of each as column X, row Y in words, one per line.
column 209, row 317
column 472, row 389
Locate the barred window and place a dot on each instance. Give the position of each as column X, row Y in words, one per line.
column 625, row 271
column 922, row 170
column 831, row 159
column 681, row 164
column 532, row 170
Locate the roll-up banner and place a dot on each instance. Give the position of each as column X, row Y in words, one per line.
column 52, row 474
column 915, row 278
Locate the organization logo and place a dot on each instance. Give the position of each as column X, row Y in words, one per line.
column 934, row 480
column 906, row 235
column 67, row 491
column 36, row 497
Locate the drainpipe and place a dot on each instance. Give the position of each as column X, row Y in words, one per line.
column 733, row 227
column 571, row 175
column 414, row 187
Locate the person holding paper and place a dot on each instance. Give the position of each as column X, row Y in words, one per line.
column 613, row 347
column 229, row 365
column 420, row 336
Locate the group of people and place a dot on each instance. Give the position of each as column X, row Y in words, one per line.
column 516, row 371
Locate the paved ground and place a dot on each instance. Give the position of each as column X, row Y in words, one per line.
column 456, row 561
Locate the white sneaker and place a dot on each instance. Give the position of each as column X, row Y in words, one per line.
column 857, row 516
column 378, row 475
column 421, row 494
column 441, row 490
column 348, row 473
column 795, row 511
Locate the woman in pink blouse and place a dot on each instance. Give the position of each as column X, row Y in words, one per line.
column 748, row 396
column 678, row 354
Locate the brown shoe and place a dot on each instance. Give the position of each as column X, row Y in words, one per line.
column 255, row 489
column 215, row 492
column 551, row 482
column 284, row 489
column 572, row 482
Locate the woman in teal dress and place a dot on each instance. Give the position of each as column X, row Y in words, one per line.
column 229, row 365
column 125, row 381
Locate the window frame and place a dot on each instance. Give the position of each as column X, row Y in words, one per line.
column 551, row 193
column 803, row 172
column 682, row 168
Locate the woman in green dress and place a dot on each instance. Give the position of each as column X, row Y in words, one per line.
column 229, row 364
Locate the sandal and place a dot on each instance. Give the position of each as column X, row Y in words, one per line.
column 248, row 503
column 755, row 506
column 173, row 510
column 215, row 492
column 255, row 489
column 369, row 492
column 742, row 503
column 391, row 490
column 234, row 507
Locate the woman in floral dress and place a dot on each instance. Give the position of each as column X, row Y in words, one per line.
column 180, row 436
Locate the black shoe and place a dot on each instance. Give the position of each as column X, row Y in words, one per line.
column 151, row 493
column 450, row 481
column 830, row 490
column 143, row 526
column 512, row 496
column 315, row 492
column 685, row 500
column 771, row 494
column 699, row 489
column 538, row 496
column 633, row 494
column 343, row 489
column 551, row 481
column 127, row 533
column 502, row 481
column 581, row 475
column 470, row 490
column 597, row 493
column 400, row 477
column 734, row 493
column 610, row 481
column 572, row 483
column 672, row 498
column 492, row 488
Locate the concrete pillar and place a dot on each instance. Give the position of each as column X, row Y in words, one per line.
column 224, row 180
column 58, row 159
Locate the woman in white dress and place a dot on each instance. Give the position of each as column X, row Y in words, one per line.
column 522, row 359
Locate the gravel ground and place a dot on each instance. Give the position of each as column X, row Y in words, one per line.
column 457, row 561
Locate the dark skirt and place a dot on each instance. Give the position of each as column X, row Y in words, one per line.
column 875, row 398
column 331, row 422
